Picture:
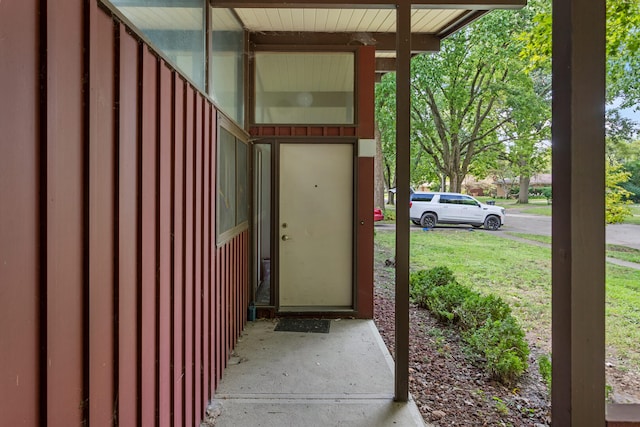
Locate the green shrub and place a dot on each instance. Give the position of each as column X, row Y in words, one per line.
column 436, row 276
column 390, row 214
column 501, row 343
column 422, row 281
column 634, row 191
column 546, row 192
column 491, row 332
column 478, row 308
column 544, row 366
column 444, row 301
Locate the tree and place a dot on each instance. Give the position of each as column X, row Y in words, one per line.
column 421, row 171
column 459, row 96
column 378, row 169
column 385, row 98
column 621, row 132
column 633, row 183
column 616, row 197
column 528, row 130
column 622, row 49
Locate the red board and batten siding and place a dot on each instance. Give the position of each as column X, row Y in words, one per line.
column 110, row 280
column 101, row 192
column 64, row 213
column 20, row 218
column 128, row 228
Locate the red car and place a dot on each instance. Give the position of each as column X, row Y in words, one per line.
column 377, row 214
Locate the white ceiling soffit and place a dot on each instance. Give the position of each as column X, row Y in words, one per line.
column 430, row 21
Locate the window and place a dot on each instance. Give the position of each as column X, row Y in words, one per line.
column 304, row 87
column 227, row 64
column 175, row 28
column 444, row 198
column 466, row 200
column 232, row 209
column 416, row 197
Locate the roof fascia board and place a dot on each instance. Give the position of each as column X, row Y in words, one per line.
column 385, row 65
column 371, row 4
column 460, row 23
column 382, row 41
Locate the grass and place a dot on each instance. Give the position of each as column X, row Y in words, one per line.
column 521, row 274
column 614, row 251
column 540, row 210
column 635, row 218
column 624, row 253
column 534, row 237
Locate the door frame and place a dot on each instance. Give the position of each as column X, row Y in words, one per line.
column 275, row 221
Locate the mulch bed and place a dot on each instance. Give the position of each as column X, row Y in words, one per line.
column 447, row 387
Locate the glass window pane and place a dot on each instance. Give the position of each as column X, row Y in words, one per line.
column 227, row 64
column 175, row 28
column 304, row 88
column 226, row 204
column 243, row 207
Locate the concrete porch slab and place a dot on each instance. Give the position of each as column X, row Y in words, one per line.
column 343, row 378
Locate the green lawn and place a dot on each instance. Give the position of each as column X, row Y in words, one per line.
column 537, row 208
column 635, row 218
column 614, row 251
column 521, row 274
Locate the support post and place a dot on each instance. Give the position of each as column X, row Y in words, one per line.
column 578, row 278
column 403, row 134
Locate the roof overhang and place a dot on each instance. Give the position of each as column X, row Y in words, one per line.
column 313, row 23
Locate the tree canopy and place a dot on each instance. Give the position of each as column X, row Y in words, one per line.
column 482, row 104
column 470, row 101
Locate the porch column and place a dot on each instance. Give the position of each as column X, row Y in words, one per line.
column 403, row 130
column 578, row 277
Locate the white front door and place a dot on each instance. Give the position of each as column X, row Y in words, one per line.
column 315, row 230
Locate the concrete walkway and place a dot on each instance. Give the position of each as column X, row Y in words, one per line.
column 342, row 378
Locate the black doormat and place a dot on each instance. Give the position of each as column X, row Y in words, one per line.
column 303, row 325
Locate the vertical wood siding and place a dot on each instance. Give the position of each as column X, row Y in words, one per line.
column 64, row 213
column 116, row 306
column 128, row 229
column 101, row 173
column 20, row 236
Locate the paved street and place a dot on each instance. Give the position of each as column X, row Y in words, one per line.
column 519, row 222
column 617, row 234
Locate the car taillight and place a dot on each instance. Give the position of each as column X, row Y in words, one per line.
column 410, row 204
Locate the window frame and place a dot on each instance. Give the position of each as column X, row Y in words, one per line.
column 240, row 137
column 250, row 109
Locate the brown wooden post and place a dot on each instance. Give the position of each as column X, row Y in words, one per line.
column 403, row 129
column 578, row 218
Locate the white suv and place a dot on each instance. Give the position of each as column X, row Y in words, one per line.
column 428, row 209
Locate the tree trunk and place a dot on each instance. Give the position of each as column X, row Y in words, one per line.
column 391, row 198
column 523, row 195
column 455, row 182
column 378, row 195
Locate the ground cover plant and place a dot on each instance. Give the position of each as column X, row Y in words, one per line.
column 521, row 274
column 447, row 386
column 491, row 333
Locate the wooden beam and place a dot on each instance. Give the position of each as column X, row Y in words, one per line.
column 403, row 166
column 385, row 65
column 384, row 42
column 371, row 4
column 578, row 249
column 464, row 20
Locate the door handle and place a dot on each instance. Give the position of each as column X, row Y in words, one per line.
column 285, row 238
